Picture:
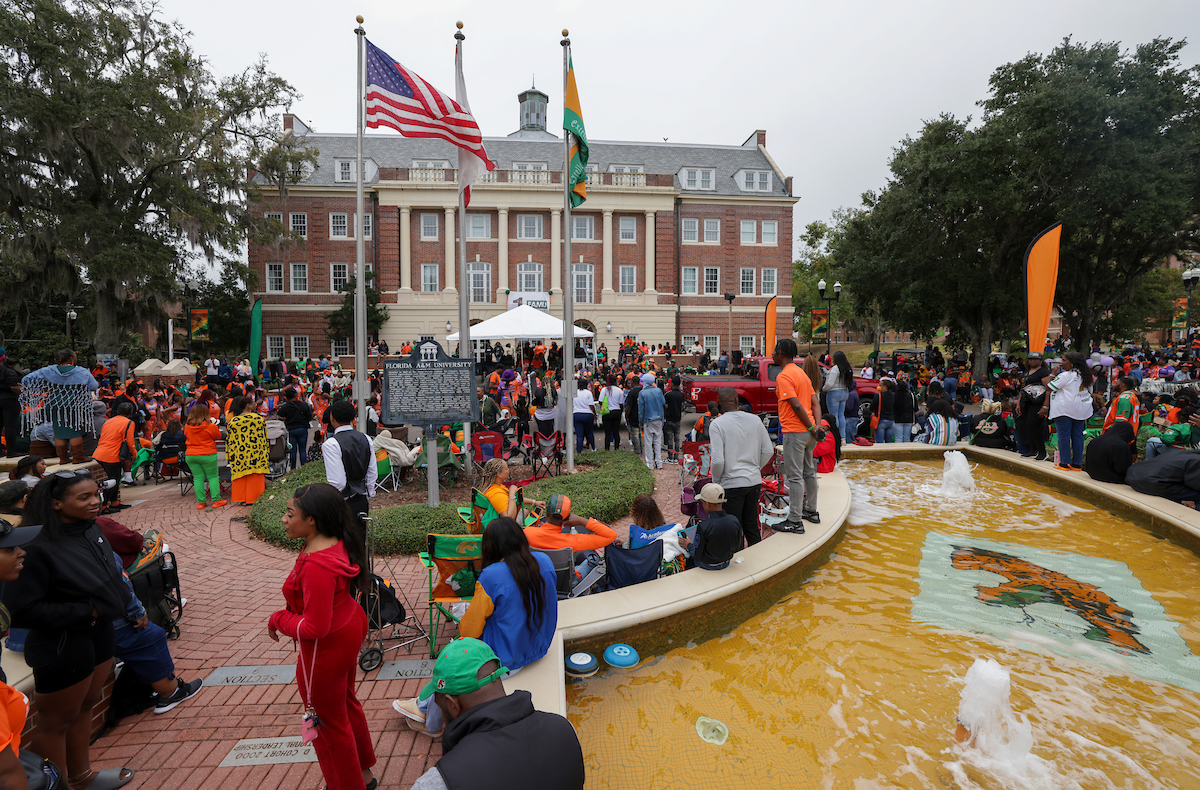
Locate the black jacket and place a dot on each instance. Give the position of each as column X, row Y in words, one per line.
column 505, row 744
column 295, row 414
column 62, row 582
column 1109, row 456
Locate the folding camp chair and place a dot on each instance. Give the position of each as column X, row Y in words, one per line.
column 695, row 459
column 546, row 453
column 185, row 476
column 143, row 463
column 479, row 513
column 449, row 462
column 454, row 563
column 564, row 569
column 689, row 501
column 485, row 446
column 626, row 567
column 386, row 478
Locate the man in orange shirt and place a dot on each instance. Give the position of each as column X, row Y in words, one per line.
column 549, row 534
column 797, row 403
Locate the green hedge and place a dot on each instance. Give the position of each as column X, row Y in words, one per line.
column 604, row 493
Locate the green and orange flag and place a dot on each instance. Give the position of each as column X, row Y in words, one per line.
column 573, row 123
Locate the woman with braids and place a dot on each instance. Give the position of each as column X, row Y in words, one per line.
column 327, row 623
column 68, row 595
column 502, row 497
column 514, row 610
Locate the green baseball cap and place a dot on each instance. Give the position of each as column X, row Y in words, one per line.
column 457, row 668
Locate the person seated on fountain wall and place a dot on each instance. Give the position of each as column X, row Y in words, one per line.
column 1109, row 456
column 989, row 429
column 558, row 529
column 941, row 424
column 1174, row 475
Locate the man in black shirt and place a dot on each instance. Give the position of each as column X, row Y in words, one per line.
column 296, row 416
column 631, row 414
column 674, row 415
column 719, row 536
column 10, row 407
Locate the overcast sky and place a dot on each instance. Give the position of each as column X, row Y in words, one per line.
column 835, row 84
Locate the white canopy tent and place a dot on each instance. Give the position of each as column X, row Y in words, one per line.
column 520, row 323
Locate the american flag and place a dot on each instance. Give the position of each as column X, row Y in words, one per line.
column 401, row 100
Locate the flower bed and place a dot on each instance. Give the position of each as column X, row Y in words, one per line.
column 604, row 493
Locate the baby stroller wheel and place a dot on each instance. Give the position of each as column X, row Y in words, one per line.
column 370, row 659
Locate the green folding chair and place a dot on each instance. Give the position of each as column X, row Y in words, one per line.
column 480, row 512
column 453, row 563
column 449, row 462
column 386, row 479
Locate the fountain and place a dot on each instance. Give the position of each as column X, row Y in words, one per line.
column 986, row 720
column 956, row 476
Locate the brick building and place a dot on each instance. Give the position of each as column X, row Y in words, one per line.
column 667, row 230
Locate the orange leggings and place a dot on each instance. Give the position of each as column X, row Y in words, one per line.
column 248, row 488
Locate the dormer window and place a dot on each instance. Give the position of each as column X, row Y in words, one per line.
column 755, row 180
column 698, row 178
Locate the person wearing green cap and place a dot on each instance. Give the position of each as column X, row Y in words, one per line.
column 494, row 739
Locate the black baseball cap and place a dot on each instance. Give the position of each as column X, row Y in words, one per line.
column 16, row 536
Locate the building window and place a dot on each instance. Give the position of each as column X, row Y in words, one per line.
column 479, row 226
column 686, row 342
column 275, row 347
column 748, row 282
column 529, row 173
column 695, row 178
column 712, row 231
column 429, row 277
column 756, row 181
column 746, row 344
column 583, row 228
column 274, row 277
column 628, row 279
column 689, row 280
column 429, row 227
column 691, row 233
column 764, row 182
column 300, row 277
column 275, row 215
column 529, row 226
column 529, row 277
column 625, row 168
column 339, row 276
column 337, row 226
column 299, row 346
column 368, row 222
column 770, row 232
column 712, row 344
column 749, row 231
column 300, row 224
column 341, row 348
column 345, row 171
column 585, row 282
column 768, row 282
column 712, row 280
column 479, row 279
column 628, row 229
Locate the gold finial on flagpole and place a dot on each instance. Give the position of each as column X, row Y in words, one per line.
column 359, row 18
column 566, row 32
column 459, row 24
column 459, row 35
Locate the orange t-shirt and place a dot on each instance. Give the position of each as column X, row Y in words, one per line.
column 14, row 709
column 793, row 382
column 202, row 439
column 545, row 535
column 116, row 431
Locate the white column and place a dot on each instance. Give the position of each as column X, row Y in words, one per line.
column 451, row 277
column 556, row 251
column 502, row 255
column 405, row 248
column 608, row 257
column 650, row 240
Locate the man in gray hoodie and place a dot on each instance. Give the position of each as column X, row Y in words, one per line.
column 740, row 448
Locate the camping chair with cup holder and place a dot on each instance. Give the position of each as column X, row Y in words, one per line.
column 485, row 445
column 564, row 569
column 546, row 454
column 386, row 478
column 626, row 567
column 695, row 460
column 449, row 462
column 453, row 563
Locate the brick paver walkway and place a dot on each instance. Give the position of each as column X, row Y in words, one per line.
column 232, row 583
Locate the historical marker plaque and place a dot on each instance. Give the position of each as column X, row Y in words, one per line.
column 429, row 388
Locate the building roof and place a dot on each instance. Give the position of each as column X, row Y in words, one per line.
column 392, row 150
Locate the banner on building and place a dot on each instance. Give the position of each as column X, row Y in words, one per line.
column 1179, row 321
column 538, row 300
column 198, row 324
column 820, row 323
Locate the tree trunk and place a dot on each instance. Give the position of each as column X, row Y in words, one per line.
column 982, row 346
column 108, row 325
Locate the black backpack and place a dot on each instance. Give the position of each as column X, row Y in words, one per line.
column 381, row 604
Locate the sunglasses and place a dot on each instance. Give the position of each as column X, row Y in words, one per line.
column 72, row 474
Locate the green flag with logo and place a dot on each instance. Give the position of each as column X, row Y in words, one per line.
column 573, row 123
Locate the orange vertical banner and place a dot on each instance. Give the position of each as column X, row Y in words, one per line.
column 769, row 329
column 1041, row 280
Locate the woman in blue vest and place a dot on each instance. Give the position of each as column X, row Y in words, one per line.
column 514, row 610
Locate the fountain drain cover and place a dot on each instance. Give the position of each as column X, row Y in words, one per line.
column 711, row 730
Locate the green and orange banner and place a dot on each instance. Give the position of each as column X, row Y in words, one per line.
column 573, row 123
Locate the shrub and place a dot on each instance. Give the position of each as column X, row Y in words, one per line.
column 604, row 493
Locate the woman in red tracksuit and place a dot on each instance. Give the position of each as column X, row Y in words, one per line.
column 329, row 625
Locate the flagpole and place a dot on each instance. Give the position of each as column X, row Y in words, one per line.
column 464, row 292
column 360, row 285
column 568, row 387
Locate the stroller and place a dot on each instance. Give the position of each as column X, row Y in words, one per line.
column 388, row 619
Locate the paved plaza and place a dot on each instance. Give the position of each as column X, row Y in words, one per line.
column 232, row 582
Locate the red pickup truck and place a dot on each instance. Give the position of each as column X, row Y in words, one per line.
column 756, row 389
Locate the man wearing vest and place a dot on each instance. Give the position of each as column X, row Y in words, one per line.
column 493, row 739
column 349, row 462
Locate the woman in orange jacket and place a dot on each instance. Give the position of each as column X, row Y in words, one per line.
column 202, row 433
column 329, row 627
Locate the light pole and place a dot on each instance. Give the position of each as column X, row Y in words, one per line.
column 729, row 298
column 1190, row 278
column 829, row 300
column 71, row 316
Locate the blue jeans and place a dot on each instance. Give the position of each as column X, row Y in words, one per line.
column 299, row 440
column 835, row 404
column 145, row 652
column 902, row 432
column 1154, row 446
column 851, row 429
column 885, row 432
column 1070, row 441
column 585, row 428
column 951, row 386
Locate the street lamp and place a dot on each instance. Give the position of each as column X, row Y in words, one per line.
column 1190, row 278
column 829, row 300
column 729, row 298
column 71, row 316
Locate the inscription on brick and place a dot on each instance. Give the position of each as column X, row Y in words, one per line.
column 269, row 751
column 406, row 670
column 252, row 676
